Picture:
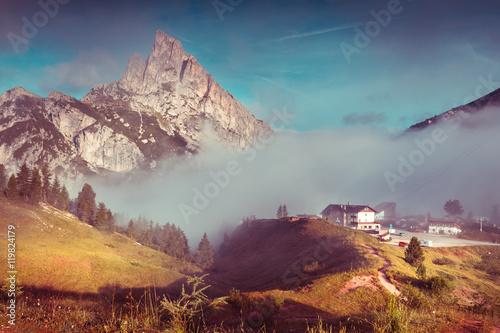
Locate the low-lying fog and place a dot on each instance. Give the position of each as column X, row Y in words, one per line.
column 307, row 171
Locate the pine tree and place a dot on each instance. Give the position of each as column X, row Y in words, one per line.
column 131, row 232
column 111, row 220
column 100, row 220
column 279, row 214
column 11, row 191
column 285, row 211
column 35, row 195
column 414, row 253
column 46, row 187
column 23, row 181
column 63, row 200
column 55, row 191
column 204, row 255
column 85, row 204
column 3, row 177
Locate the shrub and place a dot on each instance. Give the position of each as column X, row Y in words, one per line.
column 421, row 271
column 396, row 318
column 414, row 253
column 438, row 284
column 413, row 297
column 235, row 300
column 189, row 308
column 443, row 261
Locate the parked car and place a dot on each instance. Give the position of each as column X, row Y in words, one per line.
column 403, row 244
column 402, row 234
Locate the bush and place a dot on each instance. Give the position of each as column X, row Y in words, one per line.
column 413, row 297
column 439, row 284
column 235, row 300
column 443, row 261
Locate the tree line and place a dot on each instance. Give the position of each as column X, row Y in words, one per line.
column 169, row 239
column 32, row 185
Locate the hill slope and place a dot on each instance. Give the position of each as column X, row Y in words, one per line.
column 55, row 250
column 268, row 254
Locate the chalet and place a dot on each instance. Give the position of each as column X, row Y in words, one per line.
column 444, row 228
column 386, row 211
column 355, row 216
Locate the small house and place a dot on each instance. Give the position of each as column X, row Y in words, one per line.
column 444, row 228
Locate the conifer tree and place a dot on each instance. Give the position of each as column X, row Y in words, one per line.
column 63, row 200
column 35, row 195
column 11, row 191
column 23, row 181
column 3, row 177
column 414, row 253
column 111, row 220
column 204, row 256
column 85, row 204
column 279, row 214
column 131, row 232
column 46, row 177
column 55, row 191
column 285, row 211
column 100, row 220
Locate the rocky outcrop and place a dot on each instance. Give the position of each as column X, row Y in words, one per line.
column 165, row 106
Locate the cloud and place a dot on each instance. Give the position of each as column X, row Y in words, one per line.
column 315, row 32
column 309, row 170
column 87, row 69
column 354, row 118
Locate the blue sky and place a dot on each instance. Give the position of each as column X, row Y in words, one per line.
column 428, row 57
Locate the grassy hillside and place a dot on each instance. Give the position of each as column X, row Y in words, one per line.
column 269, row 254
column 54, row 250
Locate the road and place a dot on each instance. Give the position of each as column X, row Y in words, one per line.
column 437, row 240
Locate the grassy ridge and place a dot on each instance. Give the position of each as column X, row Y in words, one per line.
column 55, row 250
column 269, row 254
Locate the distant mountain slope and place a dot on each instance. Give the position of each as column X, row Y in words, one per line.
column 165, row 106
column 55, row 250
column 490, row 100
column 268, row 254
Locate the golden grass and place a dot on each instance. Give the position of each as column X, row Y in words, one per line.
column 55, row 250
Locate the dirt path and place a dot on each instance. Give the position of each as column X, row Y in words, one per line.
column 384, row 280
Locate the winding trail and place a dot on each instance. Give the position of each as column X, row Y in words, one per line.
column 384, row 280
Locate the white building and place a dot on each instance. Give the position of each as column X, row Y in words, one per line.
column 355, row 216
column 444, row 228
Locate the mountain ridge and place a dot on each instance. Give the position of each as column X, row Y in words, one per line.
column 491, row 99
column 166, row 106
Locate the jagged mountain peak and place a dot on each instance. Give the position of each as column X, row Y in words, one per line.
column 165, row 106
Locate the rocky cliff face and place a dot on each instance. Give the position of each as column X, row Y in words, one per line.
column 165, row 106
column 187, row 101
